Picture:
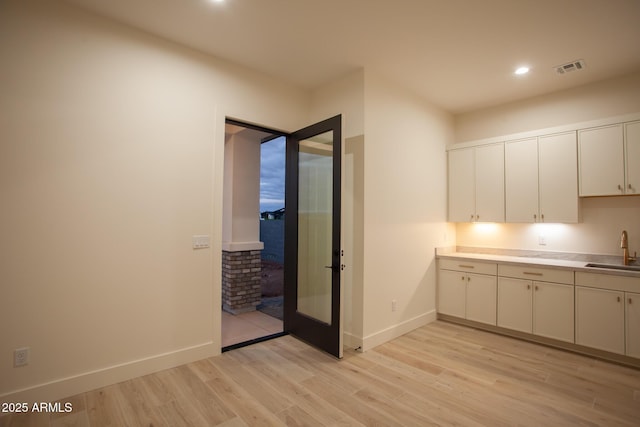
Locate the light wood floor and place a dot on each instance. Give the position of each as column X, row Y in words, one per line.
column 440, row 374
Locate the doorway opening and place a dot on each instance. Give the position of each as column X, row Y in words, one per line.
column 253, row 235
column 311, row 296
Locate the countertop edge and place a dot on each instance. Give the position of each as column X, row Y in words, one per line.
column 542, row 262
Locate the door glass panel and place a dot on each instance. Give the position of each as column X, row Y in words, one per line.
column 315, row 209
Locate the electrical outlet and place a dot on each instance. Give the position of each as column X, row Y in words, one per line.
column 542, row 240
column 21, row 356
column 394, row 305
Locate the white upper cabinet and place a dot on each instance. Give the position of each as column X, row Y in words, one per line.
column 601, row 160
column 490, row 183
column 462, row 185
column 541, row 179
column 558, row 178
column 632, row 151
column 521, row 180
column 476, row 184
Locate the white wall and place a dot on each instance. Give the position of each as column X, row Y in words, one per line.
column 344, row 95
column 609, row 98
column 394, row 203
column 404, row 207
column 603, row 219
column 110, row 160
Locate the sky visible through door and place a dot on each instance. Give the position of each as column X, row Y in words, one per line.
column 272, row 173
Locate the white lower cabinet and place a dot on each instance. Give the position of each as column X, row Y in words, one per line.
column 544, row 309
column 553, row 311
column 595, row 310
column 608, row 313
column 481, row 298
column 533, row 306
column 515, row 304
column 600, row 319
column 632, row 301
column 467, row 295
column 452, row 290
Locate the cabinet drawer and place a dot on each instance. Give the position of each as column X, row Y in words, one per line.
column 468, row 266
column 608, row 281
column 536, row 273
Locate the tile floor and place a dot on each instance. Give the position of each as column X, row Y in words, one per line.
column 247, row 326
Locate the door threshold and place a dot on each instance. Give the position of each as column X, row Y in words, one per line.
column 253, row 341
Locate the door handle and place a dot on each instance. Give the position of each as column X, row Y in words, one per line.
column 335, row 267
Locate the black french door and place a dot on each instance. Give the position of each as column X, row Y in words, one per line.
column 312, row 300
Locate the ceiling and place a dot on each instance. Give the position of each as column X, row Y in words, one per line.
column 458, row 54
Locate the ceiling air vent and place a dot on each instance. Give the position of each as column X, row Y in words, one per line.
column 570, row 66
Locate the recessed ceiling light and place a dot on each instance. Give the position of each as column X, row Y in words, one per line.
column 521, row 70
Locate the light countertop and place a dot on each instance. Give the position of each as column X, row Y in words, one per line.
column 538, row 259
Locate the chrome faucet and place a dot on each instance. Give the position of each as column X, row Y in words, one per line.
column 624, row 244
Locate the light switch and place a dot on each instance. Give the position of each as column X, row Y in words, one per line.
column 200, row 241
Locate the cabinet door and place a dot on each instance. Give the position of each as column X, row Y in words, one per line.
column 632, row 146
column 490, row 183
column 558, row 178
column 600, row 319
column 633, row 324
column 601, row 161
column 481, row 298
column 521, row 180
column 514, row 304
column 451, row 293
column 462, row 207
column 553, row 309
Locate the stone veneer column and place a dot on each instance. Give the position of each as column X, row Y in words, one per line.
column 241, row 272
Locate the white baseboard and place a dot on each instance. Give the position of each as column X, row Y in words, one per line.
column 381, row 337
column 70, row 386
column 351, row 341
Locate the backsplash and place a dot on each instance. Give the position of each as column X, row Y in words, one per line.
column 598, row 233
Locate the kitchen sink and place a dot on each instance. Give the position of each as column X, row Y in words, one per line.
column 615, row 266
